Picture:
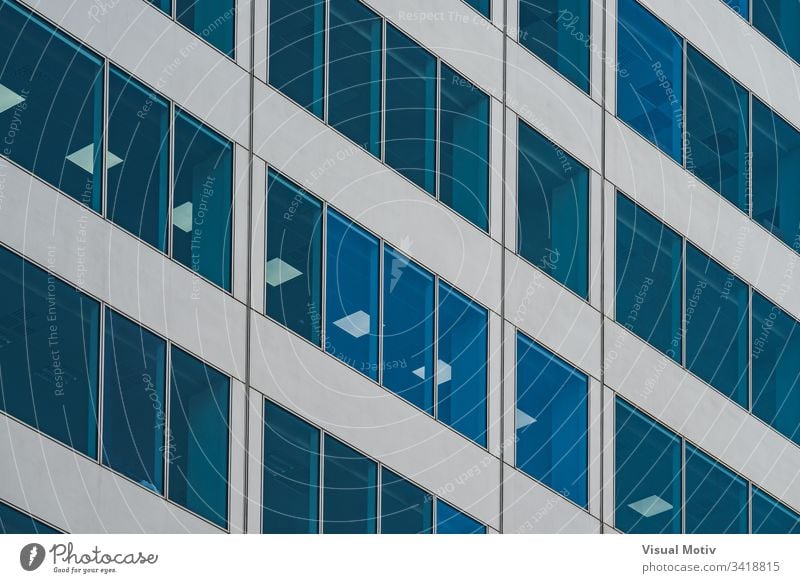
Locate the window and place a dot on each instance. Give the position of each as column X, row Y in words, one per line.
column 772, row 517
column 716, row 498
column 164, row 6
column 213, row 20
column 552, row 421
column 553, row 210
column 741, row 7
column 452, row 521
column 777, row 19
column 482, row 6
column 351, row 488
column 405, row 508
column 12, row 521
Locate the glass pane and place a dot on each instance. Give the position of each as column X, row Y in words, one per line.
column 138, row 174
column 408, row 298
column 716, row 498
column 649, row 277
column 405, row 508
column 12, row 521
column 778, row 19
column 354, row 73
column 772, row 517
column 51, row 102
column 294, row 257
column 553, row 210
column 552, row 419
column 164, row 5
column 212, row 20
column 49, row 351
column 351, row 490
column 351, row 321
column 461, row 368
column 650, row 77
column 133, row 402
column 203, row 200
column 464, row 148
column 410, row 143
column 291, row 473
column 648, row 474
column 197, row 450
column 482, row 6
column 452, row 521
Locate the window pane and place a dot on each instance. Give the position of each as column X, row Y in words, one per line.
column 648, row 278
column 52, row 105
column 741, row 7
column 552, row 421
column 648, row 474
column 164, row 5
column 405, row 508
column 482, row 6
column 213, row 20
column 354, row 70
column 716, row 325
column 197, row 451
column 49, row 350
column 12, row 521
column 291, row 473
column 351, row 490
column 138, row 177
column 778, row 19
column 408, row 297
column 452, row 521
column 294, row 257
column 650, row 77
column 772, row 517
column 133, row 402
column 464, row 148
column 410, row 143
column 716, row 498
column 553, row 210
column 201, row 214
column 351, row 321
column 461, row 368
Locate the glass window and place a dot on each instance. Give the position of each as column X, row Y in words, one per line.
column 51, row 102
column 552, row 419
column 461, row 368
column 351, row 490
column 405, row 508
column 133, row 402
column 558, row 32
column 213, row 20
column 464, row 148
column 354, row 73
column 452, row 521
column 772, row 517
column 49, row 347
column 12, row 521
column 291, row 473
column 164, row 5
column 294, row 257
column 408, row 300
column 648, row 474
column 648, row 267
column 553, row 210
column 482, row 6
column 716, row 325
column 650, row 77
column 351, row 321
column 716, row 498
column 410, row 116
column 778, row 19
column 197, row 450
column 203, row 200
column 741, row 7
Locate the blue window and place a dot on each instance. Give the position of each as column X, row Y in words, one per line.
column 164, row 6
column 350, row 492
column 133, row 402
column 552, row 421
column 741, row 7
column 49, row 347
column 482, row 6
column 461, row 367
column 553, row 210
column 772, row 517
column 650, row 77
column 405, row 508
column 648, row 474
column 297, row 51
column 351, row 320
column 778, row 19
column 12, row 521
column 410, row 117
column 294, row 257
column 452, row 521
column 464, row 148
column 648, row 267
column 558, row 32
column 197, row 451
column 51, row 105
column 291, row 473
column 213, row 20
column 716, row 498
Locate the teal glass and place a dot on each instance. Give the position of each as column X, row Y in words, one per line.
column 350, row 490
column 740, row 7
column 212, row 20
column 482, row 6
column 716, row 498
column 452, row 521
column 164, row 6
column 777, row 20
column 12, row 521
column 772, row 517
column 405, row 508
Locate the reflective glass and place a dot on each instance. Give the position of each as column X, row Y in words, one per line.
column 452, row 521
column 778, row 19
column 164, row 5
column 351, row 490
column 772, row 517
column 741, row 7
column 716, row 498
column 405, row 508
column 212, row 20
column 482, row 6
column 12, row 521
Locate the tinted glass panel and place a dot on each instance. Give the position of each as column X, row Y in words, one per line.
column 12, row 521
column 741, row 7
column 778, row 19
column 213, row 20
column 482, row 6
column 716, row 498
column 163, row 5
column 772, row 517
column 451, row 521
column 351, row 490
column 405, row 508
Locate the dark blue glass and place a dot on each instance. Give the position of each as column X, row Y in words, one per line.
column 452, row 521
column 351, row 490
column 134, row 410
column 772, row 517
column 552, row 418
column 553, row 210
column 740, row 7
column 408, row 338
column 353, row 280
column 650, row 77
column 482, row 6
column 648, row 267
column 647, row 480
column 12, row 521
column 164, row 5
column 291, row 473
column 51, row 105
column 464, row 148
column 211, row 20
column 716, row 498
column 294, row 257
column 405, row 508
column 197, row 450
column 49, row 351
column 778, row 19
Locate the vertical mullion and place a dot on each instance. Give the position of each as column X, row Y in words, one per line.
column 684, row 327
column 684, row 117
column 749, row 348
column 384, row 78
column 105, row 120
column 378, row 508
column 101, row 382
column 326, row 32
column 683, row 486
column 435, row 369
column 166, row 439
column 172, row 172
column 320, row 494
column 323, row 278
column 381, row 268
column 749, row 177
column 437, row 132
